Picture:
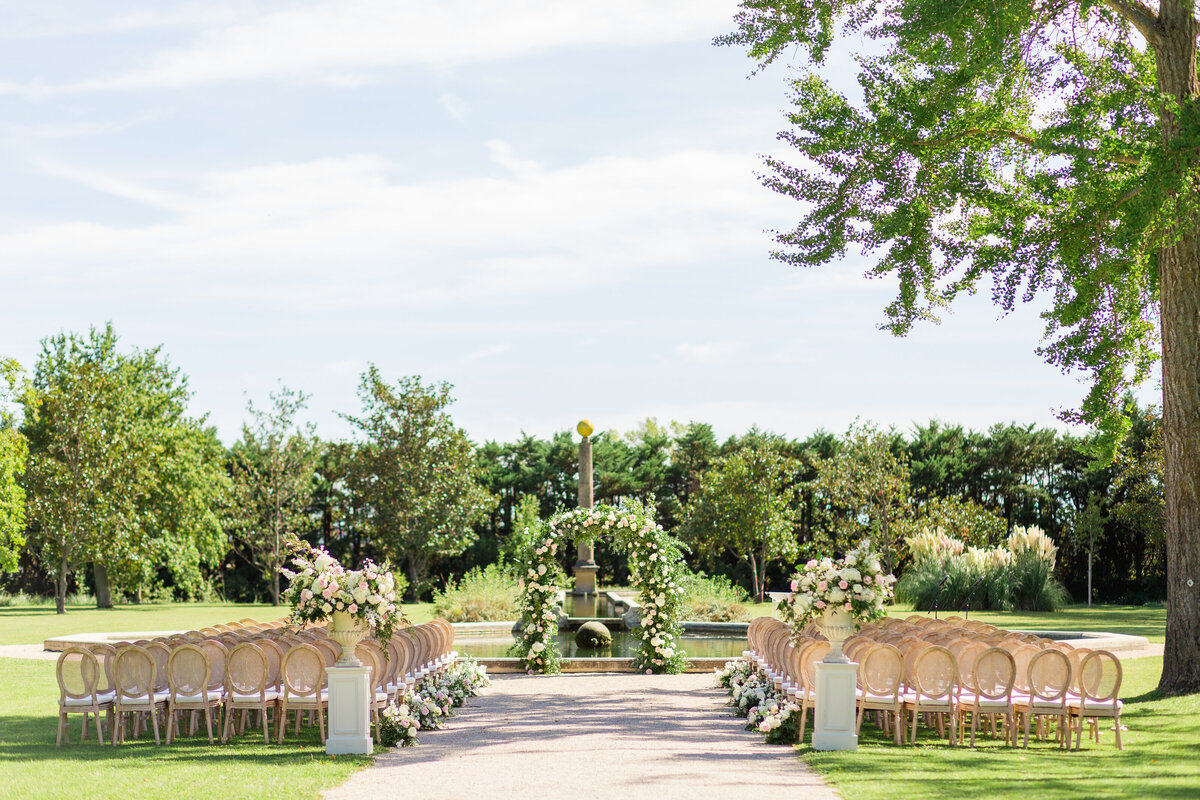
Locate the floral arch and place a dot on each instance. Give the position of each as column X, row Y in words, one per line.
column 655, row 566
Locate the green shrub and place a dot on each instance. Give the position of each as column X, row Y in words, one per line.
column 482, row 595
column 713, row 599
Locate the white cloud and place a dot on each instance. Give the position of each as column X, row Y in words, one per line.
column 709, row 353
column 348, row 41
column 488, row 352
column 455, row 106
column 348, row 232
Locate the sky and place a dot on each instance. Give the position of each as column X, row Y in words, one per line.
column 552, row 206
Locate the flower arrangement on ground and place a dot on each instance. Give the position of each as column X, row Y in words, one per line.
column 431, row 702
column 655, row 567
column 855, row 583
column 753, row 696
column 319, row 586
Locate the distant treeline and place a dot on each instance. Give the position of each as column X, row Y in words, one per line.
column 108, row 487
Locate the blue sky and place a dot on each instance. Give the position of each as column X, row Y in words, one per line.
column 551, row 205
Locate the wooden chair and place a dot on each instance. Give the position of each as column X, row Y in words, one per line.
column 880, row 681
column 134, row 679
column 1099, row 685
column 810, row 654
column 370, row 654
column 1049, row 683
column 303, row 677
column 990, row 692
column 188, row 676
column 247, row 679
column 932, row 681
column 79, row 691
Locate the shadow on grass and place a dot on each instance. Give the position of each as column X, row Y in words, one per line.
column 26, row 738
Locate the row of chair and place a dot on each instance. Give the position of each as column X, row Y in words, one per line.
column 241, row 669
column 947, row 672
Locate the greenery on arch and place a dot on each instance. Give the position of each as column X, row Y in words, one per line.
column 655, row 566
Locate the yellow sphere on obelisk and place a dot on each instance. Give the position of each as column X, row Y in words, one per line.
column 585, row 428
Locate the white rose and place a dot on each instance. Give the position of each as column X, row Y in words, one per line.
column 537, row 647
column 660, row 601
column 667, row 652
column 541, row 569
column 323, row 562
column 837, row 596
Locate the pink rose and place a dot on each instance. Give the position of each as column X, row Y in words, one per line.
column 795, row 586
column 820, row 604
column 821, row 586
column 867, row 580
column 353, row 608
column 843, row 585
column 849, row 607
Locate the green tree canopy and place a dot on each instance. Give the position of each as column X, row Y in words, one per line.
column 13, row 452
column 744, row 507
column 416, row 472
column 118, row 474
column 274, row 468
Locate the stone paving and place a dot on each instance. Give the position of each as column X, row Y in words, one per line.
column 594, row 736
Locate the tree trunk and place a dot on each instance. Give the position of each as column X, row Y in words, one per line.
column 60, row 588
column 103, row 591
column 754, row 584
column 1179, row 297
column 1089, row 589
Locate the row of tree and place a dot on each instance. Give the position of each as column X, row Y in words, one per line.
column 106, row 482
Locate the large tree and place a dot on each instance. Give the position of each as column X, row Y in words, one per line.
column 1052, row 145
column 117, row 473
column 744, row 506
column 415, row 470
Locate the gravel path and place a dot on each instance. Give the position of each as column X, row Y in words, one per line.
column 595, row 736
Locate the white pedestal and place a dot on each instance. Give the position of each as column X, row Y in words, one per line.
column 834, row 727
column 349, row 715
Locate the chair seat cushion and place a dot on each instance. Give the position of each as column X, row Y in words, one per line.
column 307, row 699
column 102, row 698
column 1098, row 707
column 269, row 696
column 868, row 697
column 980, row 701
column 211, row 696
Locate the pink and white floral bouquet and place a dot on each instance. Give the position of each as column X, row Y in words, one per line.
column 855, row 583
column 320, row 586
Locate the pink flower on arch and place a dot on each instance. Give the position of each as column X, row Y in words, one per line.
column 795, row 585
column 822, row 586
column 849, row 607
column 843, row 585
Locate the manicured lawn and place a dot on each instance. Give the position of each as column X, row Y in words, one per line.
column 1148, row 621
column 31, row 766
column 1161, row 758
column 35, row 624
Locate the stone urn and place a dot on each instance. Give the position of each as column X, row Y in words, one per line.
column 348, row 631
column 836, row 625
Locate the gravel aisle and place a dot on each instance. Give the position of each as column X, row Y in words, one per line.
column 594, row 736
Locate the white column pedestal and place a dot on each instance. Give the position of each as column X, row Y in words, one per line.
column 349, row 715
column 834, row 726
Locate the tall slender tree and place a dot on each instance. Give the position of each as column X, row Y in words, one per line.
column 416, row 472
column 274, row 465
column 13, row 452
column 1052, row 146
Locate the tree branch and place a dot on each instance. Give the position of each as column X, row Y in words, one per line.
column 1140, row 15
column 1023, row 139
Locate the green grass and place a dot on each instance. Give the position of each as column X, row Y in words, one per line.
column 1161, row 758
column 31, row 766
column 35, row 624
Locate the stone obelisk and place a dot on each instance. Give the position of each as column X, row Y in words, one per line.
column 585, row 557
